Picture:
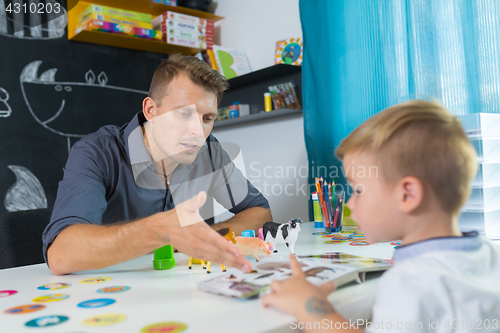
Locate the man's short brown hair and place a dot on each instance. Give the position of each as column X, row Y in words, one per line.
column 197, row 70
column 421, row 139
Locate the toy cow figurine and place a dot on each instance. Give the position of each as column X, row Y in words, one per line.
column 250, row 246
column 285, row 233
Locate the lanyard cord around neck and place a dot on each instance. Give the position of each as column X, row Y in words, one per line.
column 164, row 173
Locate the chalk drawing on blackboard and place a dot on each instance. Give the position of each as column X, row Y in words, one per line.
column 63, row 107
column 27, row 193
column 33, row 27
column 5, row 109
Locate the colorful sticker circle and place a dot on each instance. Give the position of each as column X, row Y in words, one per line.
column 47, row 321
column 104, row 320
column 113, row 289
column 96, row 280
column 51, row 298
column 341, row 237
column 96, row 303
column 54, row 286
column 25, row 309
column 169, row 327
column 6, row 293
column 359, row 244
column 336, row 241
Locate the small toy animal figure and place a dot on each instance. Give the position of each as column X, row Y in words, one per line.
column 250, row 246
column 285, row 233
column 228, row 234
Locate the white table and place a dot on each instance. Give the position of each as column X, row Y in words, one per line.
column 171, row 295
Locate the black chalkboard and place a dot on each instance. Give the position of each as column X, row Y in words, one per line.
column 52, row 93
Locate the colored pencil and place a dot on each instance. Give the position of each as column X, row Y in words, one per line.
column 336, row 218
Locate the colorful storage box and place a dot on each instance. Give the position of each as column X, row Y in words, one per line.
column 147, row 33
column 182, row 18
column 185, row 30
column 121, row 13
column 124, row 29
column 194, row 43
column 114, row 19
column 97, row 25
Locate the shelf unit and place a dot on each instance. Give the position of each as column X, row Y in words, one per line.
column 250, row 89
column 256, row 117
column 125, row 41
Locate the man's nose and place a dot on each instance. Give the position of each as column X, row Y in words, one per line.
column 196, row 128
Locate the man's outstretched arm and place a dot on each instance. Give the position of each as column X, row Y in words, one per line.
column 84, row 247
column 250, row 219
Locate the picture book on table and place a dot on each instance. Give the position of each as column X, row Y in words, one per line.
column 338, row 267
column 230, row 62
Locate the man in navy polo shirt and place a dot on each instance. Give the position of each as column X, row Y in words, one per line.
column 128, row 191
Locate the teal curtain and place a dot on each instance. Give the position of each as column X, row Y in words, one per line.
column 361, row 56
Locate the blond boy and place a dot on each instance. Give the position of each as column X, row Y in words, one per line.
column 442, row 280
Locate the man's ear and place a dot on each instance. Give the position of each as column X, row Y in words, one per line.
column 410, row 194
column 149, row 108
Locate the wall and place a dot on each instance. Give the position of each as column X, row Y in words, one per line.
column 273, row 151
column 256, row 25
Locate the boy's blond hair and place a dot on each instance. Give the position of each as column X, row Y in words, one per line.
column 421, row 139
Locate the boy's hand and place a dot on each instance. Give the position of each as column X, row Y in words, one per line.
column 299, row 297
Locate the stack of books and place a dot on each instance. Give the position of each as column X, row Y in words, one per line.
column 482, row 210
column 185, row 30
column 119, row 21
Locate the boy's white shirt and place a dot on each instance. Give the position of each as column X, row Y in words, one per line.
column 442, row 283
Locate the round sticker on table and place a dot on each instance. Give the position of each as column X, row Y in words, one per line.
column 96, row 280
column 336, row 241
column 51, row 298
column 104, row 320
column 53, row 286
column 46, row 321
column 359, row 244
column 169, row 327
column 25, row 309
column 5, row 293
column 96, row 303
column 341, row 237
column 113, row 289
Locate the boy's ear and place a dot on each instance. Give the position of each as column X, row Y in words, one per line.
column 411, row 194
